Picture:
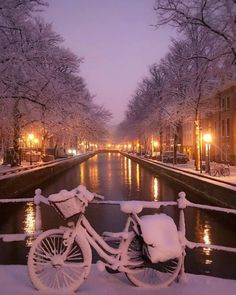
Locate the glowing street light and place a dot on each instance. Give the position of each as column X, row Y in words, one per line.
column 31, row 139
column 155, row 146
column 207, row 139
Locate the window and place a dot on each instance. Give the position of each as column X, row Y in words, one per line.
column 227, row 102
column 228, row 127
column 222, row 104
column 223, row 128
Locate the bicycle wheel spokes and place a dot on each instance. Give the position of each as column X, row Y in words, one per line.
column 144, row 273
column 52, row 266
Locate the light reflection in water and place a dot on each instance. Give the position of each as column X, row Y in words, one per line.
column 206, row 238
column 29, row 222
column 93, row 175
column 138, row 177
column 156, row 189
column 109, row 173
column 203, row 230
column 129, row 171
column 82, row 168
column 125, row 169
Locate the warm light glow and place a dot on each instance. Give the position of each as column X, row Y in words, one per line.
column 207, row 138
column 29, row 222
column 207, row 241
column 82, row 173
column 109, row 145
column 138, row 176
column 155, row 143
column 69, row 151
column 31, row 137
column 74, row 152
column 129, row 173
column 129, row 146
column 155, row 188
column 36, row 140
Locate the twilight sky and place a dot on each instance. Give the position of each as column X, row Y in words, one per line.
column 117, row 41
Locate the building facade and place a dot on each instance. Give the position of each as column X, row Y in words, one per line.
column 220, row 122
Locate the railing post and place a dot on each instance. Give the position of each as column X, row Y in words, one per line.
column 182, row 204
column 38, row 217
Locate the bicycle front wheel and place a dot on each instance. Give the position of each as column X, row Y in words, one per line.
column 51, row 270
column 144, row 273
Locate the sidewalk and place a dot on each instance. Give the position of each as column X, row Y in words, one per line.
column 190, row 168
column 14, row 279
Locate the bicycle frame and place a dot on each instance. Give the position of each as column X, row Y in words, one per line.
column 114, row 257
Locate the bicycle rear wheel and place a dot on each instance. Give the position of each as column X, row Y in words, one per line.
column 50, row 270
column 146, row 273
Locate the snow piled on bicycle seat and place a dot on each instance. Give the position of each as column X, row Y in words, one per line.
column 160, row 234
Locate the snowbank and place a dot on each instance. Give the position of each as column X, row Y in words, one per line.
column 14, row 280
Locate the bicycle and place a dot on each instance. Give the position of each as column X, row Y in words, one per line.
column 220, row 169
column 60, row 259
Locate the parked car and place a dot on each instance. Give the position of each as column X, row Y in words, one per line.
column 168, row 157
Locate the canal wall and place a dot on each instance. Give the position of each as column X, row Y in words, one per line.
column 18, row 183
column 214, row 192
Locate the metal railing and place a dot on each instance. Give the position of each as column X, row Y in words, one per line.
column 182, row 203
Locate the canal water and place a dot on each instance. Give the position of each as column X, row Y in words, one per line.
column 118, row 178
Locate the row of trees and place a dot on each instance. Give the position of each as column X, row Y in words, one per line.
column 40, row 80
column 177, row 88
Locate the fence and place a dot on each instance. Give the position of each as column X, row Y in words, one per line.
column 181, row 203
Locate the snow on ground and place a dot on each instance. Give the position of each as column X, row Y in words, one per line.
column 191, row 168
column 14, row 280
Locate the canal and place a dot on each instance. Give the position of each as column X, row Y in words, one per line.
column 118, row 178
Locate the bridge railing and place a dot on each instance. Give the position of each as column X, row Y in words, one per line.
column 181, row 203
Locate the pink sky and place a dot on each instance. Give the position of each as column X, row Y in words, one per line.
column 117, row 41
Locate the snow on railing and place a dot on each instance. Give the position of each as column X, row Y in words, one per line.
column 181, row 203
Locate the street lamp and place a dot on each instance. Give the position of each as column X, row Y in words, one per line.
column 155, row 144
column 30, row 139
column 207, row 139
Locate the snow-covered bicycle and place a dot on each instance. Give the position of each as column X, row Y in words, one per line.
column 148, row 250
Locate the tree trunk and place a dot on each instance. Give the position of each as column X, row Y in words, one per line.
column 161, row 143
column 175, row 148
column 197, row 143
column 15, row 161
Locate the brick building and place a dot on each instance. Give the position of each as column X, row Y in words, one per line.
column 220, row 121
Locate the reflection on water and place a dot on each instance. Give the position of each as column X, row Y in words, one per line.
column 29, row 222
column 206, row 238
column 137, row 177
column 82, row 179
column 156, row 189
column 204, row 232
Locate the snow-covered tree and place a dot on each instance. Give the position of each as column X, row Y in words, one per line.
column 216, row 18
